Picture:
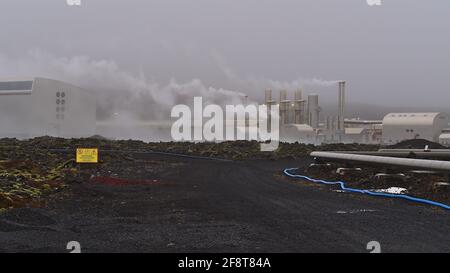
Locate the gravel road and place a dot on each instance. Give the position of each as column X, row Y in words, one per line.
column 214, row 206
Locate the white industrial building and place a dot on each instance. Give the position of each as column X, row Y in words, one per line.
column 398, row 127
column 363, row 131
column 444, row 138
column 31, row 107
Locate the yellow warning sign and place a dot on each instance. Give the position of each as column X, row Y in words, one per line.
column 87, row 155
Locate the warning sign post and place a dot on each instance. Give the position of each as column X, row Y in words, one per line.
column 87, row 155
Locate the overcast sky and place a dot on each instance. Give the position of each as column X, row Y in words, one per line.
column 394, row 54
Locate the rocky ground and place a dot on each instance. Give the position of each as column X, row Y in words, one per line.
column 35, row 168
column 179, row 204
column 435, row 187
column 138, row 200
column 32, row 171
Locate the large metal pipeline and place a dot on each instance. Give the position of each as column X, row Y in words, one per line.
column 417, row 153
column 416, row 164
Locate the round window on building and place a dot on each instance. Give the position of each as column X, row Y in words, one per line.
column 58, row 101
column 63, row 94
column 63, row 101
column 58, row 94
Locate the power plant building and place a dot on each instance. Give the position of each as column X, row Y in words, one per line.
column 31, row 107
column 398, row 127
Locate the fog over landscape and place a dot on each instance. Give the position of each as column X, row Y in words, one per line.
column 143, row 57
column 224, row 135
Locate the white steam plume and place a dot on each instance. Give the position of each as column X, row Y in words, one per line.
column 257, row 85
column 116, row 90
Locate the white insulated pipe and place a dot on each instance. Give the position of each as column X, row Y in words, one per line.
column 424, row 164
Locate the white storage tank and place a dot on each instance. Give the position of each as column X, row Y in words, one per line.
column 398, row 127
column 34, row 107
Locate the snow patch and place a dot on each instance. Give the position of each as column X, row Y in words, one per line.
column 393, row 190
column 354, row 211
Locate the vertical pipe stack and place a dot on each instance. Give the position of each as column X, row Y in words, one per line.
column 284, row 106
column 268, row 97
column 298, row 107
column 341, row 105
column 334, row 123
column 313, row 110
column 269, row 103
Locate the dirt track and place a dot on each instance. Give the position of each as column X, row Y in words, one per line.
column 212, row 206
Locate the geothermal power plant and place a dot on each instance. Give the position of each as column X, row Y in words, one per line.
column 301, row 121
column 31, row 107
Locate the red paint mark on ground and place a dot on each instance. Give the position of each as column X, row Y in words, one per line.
column 123, row 182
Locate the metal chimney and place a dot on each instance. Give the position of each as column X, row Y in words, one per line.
column 268, row 97
column 284, row 106
column 313, row 110
column 299, row 105
column 341, row 105
column 269, row 102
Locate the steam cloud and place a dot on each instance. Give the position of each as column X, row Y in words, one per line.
column 259, row 84
column 121, row 92
column 125, row 99
column 117, row 91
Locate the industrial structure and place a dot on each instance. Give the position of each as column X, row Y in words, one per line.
column 444, row 138
column 33, row 107
column 301, row 121
column 398, row 127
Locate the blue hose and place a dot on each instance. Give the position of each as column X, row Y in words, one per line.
column 344, row 188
